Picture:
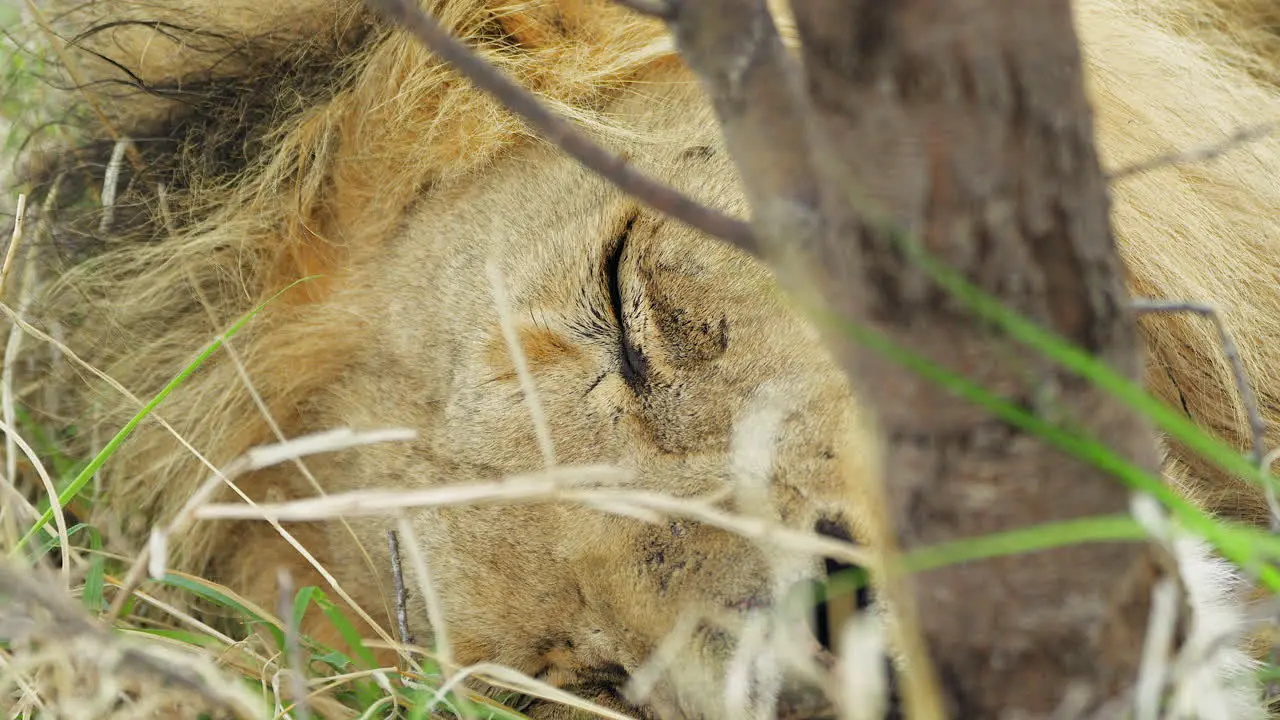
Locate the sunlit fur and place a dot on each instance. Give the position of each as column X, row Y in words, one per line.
column 371, row 164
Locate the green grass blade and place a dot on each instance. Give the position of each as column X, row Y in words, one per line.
column 187, row 637
column 1084, row 364
column 300, row 603
column 95, row 577
column 1044, row 536
column 215, row 596
column 1237, row 543
column 1033, row 538
column 366, row 692
column 53, row 541
column 346, row 629
column 114, row 444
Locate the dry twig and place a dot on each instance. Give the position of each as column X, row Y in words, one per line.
column 559, row 132
column 397, row 579
column 1257, row 426
column 564, row 484
column 736, row 51
column 293, row 646
column 1234, row 140
column 19, row 220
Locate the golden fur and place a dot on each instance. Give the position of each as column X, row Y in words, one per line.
column 311, row 139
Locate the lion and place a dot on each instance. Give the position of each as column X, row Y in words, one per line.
column 268, row 143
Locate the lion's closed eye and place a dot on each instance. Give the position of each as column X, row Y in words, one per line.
column 632, row 362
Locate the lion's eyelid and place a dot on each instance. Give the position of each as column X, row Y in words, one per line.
column 631, row 360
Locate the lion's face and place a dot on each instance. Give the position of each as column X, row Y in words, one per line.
column 652, row 348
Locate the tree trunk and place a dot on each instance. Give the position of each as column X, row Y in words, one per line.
column 965, row 124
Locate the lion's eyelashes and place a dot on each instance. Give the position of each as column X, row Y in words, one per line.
column 632, row 362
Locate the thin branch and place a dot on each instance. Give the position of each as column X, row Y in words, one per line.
column 1201, row 154
column 559, row 132
column 293, row 646
column 402, row 596
column 570, row 484
column 734, row 48
column 440, row 645
column 1257, row 426
column 19, row 220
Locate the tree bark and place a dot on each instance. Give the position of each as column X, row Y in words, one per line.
column 965, row 124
